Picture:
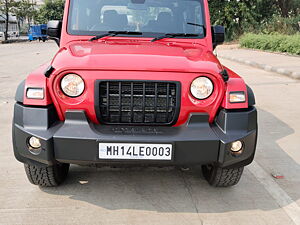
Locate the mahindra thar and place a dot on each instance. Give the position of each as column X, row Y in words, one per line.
column 135, row 82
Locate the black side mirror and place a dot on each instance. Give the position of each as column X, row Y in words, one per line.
column 218, row 35
column 54, row 30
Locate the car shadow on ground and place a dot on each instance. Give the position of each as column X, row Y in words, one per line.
column 174, row 190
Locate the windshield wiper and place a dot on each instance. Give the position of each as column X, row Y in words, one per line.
column 199, row 25
column 196, row 24
column 115, row 33
column 174, row 35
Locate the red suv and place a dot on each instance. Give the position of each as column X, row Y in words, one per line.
column 135, row 82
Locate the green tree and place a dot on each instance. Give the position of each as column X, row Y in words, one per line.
column 269, row 16
column 24, row 10
column 5, row 9
column 288, row 8
column 236, row 15
column 266, row 9
column 51, row 10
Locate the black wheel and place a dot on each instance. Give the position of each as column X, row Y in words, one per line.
column 47, row 176
column 220, row 177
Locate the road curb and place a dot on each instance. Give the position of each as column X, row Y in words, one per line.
column 282, row 71
column 14, row 41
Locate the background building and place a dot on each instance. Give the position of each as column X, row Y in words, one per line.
column 13, row 30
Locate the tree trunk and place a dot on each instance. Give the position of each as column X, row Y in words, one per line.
column 284, row 6
column 6, row 21
column 19, row 24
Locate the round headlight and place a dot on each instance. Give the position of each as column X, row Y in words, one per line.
column 72, row 85
column 202, row 88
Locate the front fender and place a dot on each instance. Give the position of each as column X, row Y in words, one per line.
column 36, row 79
column 235, row 84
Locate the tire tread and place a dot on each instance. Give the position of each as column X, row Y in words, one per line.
column 227, row 177
column 222, row 177
column 45, row 176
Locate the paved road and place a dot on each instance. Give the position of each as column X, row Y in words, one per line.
column 158, row 196
column 279, row 63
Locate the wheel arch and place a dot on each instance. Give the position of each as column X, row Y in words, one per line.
column 251, row 96
column 19, row 96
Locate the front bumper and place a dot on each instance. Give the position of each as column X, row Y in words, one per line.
column 76, row 139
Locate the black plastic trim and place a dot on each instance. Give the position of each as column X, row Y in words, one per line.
column 225, row 75
column 235, row 120
column 188, row 140
column 76, row 139
column 49, row 71
column 177, row 110
column 34, row 121
column 19, row 96
column 251, row 97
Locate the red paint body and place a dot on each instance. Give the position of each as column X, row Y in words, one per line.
column 136, row 58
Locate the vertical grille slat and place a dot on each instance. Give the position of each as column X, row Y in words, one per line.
column 107, row 99
column 131, row 103
column 144, row 101
column 138, row 102
column 167, row 101
column 155, row 103
column 120, row 102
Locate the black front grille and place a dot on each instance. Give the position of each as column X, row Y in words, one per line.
column 138, row 102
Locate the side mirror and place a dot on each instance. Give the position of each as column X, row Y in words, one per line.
column 218, row 35
column 54, row 30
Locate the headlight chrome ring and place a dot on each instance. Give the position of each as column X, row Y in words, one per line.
column 72, row 85
column 202, row 88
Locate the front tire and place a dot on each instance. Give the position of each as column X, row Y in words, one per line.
column 47, row 176
column 221, row 177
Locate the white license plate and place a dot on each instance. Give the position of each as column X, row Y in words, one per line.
column 135, row 151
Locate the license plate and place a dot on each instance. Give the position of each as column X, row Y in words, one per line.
column 135, row 151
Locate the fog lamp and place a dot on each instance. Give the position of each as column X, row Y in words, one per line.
column 237, row 147
column 34, row 142
column 34, row 145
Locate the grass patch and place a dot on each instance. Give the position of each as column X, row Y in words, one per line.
column 272, row 42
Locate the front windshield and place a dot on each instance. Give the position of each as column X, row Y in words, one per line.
column 151, row 17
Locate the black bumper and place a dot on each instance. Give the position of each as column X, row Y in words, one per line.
column 76, row 139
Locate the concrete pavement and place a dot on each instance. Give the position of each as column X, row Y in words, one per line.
column 158, row 196
column 273, row 62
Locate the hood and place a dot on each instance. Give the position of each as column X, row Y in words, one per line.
column 136, row 56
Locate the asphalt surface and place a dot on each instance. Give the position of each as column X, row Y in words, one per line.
column 158, row 196
column 279, row 63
